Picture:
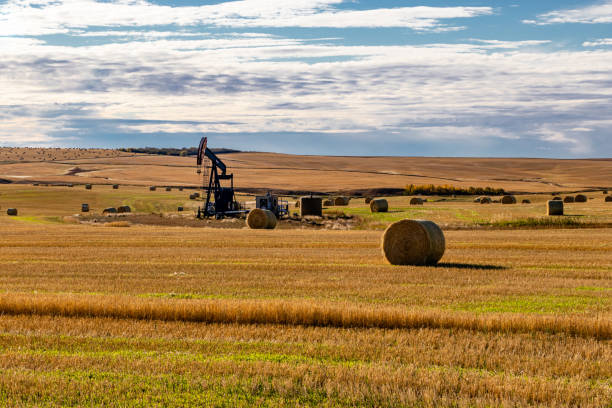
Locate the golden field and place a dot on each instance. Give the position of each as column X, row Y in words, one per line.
column 305, row 173
column 155, row 312
column 178, row 316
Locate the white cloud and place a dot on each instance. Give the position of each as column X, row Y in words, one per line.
column 594, row 14
column 597, row 43
column 19, row 17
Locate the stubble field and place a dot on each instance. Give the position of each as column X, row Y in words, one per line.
column 159, row 316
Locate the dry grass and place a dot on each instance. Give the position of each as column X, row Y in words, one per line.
column 167, row 316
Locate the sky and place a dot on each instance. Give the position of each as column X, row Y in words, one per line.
column 516, row 78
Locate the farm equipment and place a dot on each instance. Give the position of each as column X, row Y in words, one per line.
column 271, row 202
column 220, row 200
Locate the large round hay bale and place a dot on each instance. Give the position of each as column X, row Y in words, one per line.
column 109, row 210
column 568, row 199
column 259, row 218
column 413, row 242
column 555, row 207
column 557, row 198
column 581, row 198
column 11, row 211
column 341, row 201
column 608, row 199
column 526, row 201
column 152, row 188
column 310, row 205
column 379, row 205
column 416, row 201
column 508, row 199
column 115, row 186
column 485, row 200
column 328, row 203
column 88, row 186
column 368, row 200
column 124, row 209
column 84, row 207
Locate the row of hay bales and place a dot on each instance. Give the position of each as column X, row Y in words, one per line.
column 109, row 210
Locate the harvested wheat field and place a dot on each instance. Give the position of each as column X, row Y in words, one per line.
column 176, row 316
column 304, row 173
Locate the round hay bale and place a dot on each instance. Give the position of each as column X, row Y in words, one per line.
column 557, row 199
column 416, row 201
column 413, row 242
column 124, row 209
column 311, row 206
column 179, row 209
column 152, row 188
column 555, row 207
column 379, row 205
column 485, row 200
column 568, row 199
column 261, row 219
column 115, row 186
column 608, row 199
column 84, row 207
column 526, row 201
column 341, row 201
column 109, row 210
column 328, row 203
column 197, row 195
column 168, row 188
column 581, row 198
column 368, row 200
column 180, row 188
column 11, row 211
column 508, row 199
column 87, row 186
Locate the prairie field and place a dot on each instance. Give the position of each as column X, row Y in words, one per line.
column 145, row 310
column 177, row 316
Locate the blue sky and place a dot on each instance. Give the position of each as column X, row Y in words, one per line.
column 433, row 78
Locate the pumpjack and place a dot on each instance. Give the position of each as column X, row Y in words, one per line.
column 220, row 201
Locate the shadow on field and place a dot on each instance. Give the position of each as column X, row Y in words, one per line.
column 469, row 266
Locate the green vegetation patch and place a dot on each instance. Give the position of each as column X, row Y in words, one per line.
column 547, row 304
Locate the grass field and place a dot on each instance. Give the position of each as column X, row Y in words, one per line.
column 178, row 316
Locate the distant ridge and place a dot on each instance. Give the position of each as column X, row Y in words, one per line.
column 172, row 151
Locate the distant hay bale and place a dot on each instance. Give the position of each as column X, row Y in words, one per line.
column 88, row 186
column 152, row 188
column 109, row 210
column 485, row 200
column 555, row 207
column 259, row 218
column 11, row 211
column 124, row 209
column 477, row 199
column 180, row 188
column 379, row 205
column 341, row 201
column 416, row 201
column 84, row 207
column 168, row 188
column 117, row 224
column 197, row 195
column 328, row 203
column 310, row 205
column 605, row 192
column 568, row 199
column 581, row 198
column 526, row 201
column 557, row 198
column 115, row 186
column 192, row 196
column 608, row 199
column 368, row 200
column 179, row 209
column 508, row 199
column 413, row 242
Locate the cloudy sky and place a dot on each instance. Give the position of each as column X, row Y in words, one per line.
column 355, row 77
